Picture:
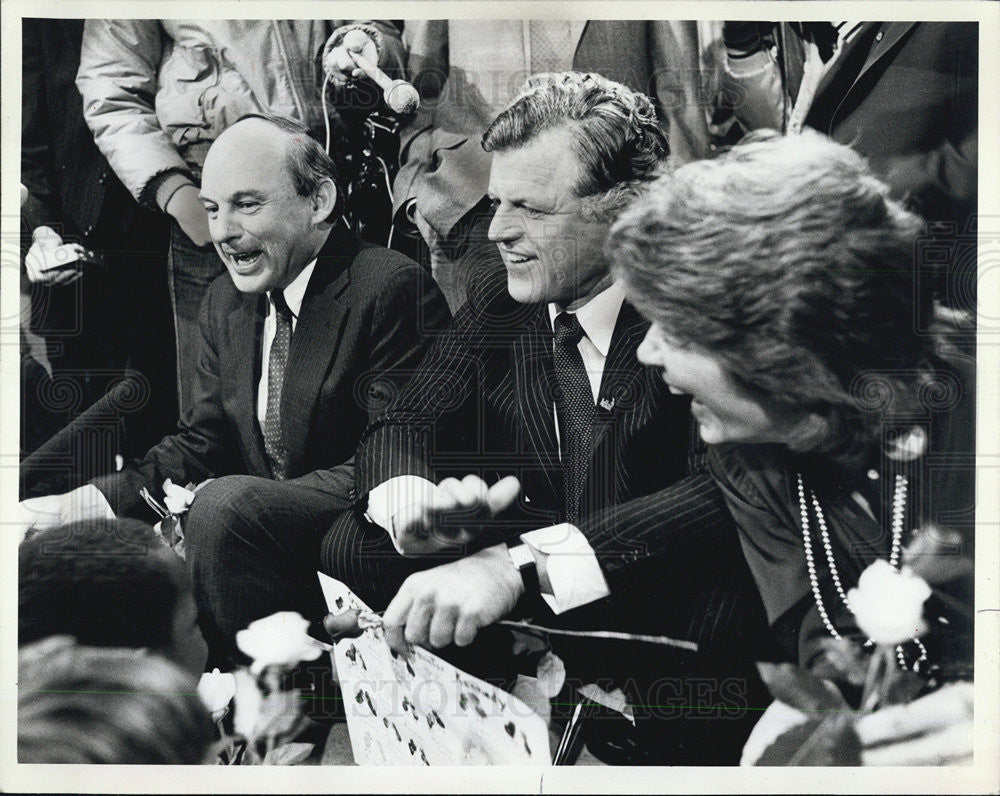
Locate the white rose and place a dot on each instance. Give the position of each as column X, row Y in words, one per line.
column 889, row 605
column 176, row 497
column 217, row 691
column 278, row 640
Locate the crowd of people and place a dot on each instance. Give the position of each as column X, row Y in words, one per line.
column 668, row 362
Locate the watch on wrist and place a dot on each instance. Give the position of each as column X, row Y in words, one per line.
column 524, row 560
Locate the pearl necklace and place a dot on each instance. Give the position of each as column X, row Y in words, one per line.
column 898, row 512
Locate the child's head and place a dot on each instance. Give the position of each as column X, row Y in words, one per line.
column 78, row 704
column 109, row 583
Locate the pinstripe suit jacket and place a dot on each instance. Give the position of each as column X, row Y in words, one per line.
column 482, row 403
column 367, row 318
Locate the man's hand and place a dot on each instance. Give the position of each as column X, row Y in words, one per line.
column 189, row 213
column 427, row 232
column 83, row 503
column 48, row 261
column 450, row 603
column 447, row 515
column 337, row 60
column 934, row 730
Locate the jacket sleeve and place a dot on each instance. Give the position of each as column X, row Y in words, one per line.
column 436, row 412
column 425, row 43
column 203, row 447
column 35, row 154
column 392, row 54
column 118, row 79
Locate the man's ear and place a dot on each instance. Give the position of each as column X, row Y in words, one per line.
column 324, row 199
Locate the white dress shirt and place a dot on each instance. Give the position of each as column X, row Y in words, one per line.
column 294, row 294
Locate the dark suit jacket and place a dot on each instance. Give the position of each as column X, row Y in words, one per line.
column 367, row 316
column 907, row 100
column 482, row 403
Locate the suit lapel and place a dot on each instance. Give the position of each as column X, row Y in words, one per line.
column 833, row 80
column 316, row 339
column 577, row 29
column 532, row 365
column 892, row 32
column 622, row 396
column 621, row 367
column 245, row 325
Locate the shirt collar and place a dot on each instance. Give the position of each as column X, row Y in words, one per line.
column 296, row 291
column 598, row 316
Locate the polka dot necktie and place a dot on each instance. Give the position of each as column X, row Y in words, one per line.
column 274, row 447
column 575, row 406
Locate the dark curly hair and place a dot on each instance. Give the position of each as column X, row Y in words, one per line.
column 615, row 132
column 786, row 260
column 78, row 704
column 109, row 583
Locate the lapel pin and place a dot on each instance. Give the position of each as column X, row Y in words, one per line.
column 607, row 404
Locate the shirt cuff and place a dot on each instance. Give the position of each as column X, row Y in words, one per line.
column 167, row 185
column 750, row 65
column 386, row 500
column 570, row 564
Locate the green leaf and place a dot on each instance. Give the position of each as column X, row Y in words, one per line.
column 289, row 754
column 829, row 741
column 801, row 689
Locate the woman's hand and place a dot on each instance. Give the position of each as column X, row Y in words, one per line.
column 934, row 730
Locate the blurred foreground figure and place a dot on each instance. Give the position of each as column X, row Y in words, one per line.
column 79, row 704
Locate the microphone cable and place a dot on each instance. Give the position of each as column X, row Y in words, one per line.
column 382, row 163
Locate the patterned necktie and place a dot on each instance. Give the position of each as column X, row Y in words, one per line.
column 575, row 405
column 274, row 447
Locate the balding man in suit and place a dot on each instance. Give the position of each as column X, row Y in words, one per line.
column 301, row 342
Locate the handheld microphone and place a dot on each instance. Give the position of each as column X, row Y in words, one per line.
column 400, row 96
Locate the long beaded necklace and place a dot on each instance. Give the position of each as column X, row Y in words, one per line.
column 898, row 512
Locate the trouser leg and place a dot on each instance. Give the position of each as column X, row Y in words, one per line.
column 253, row 548
column 361, row 555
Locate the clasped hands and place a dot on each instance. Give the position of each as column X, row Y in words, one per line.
column 450, row 603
